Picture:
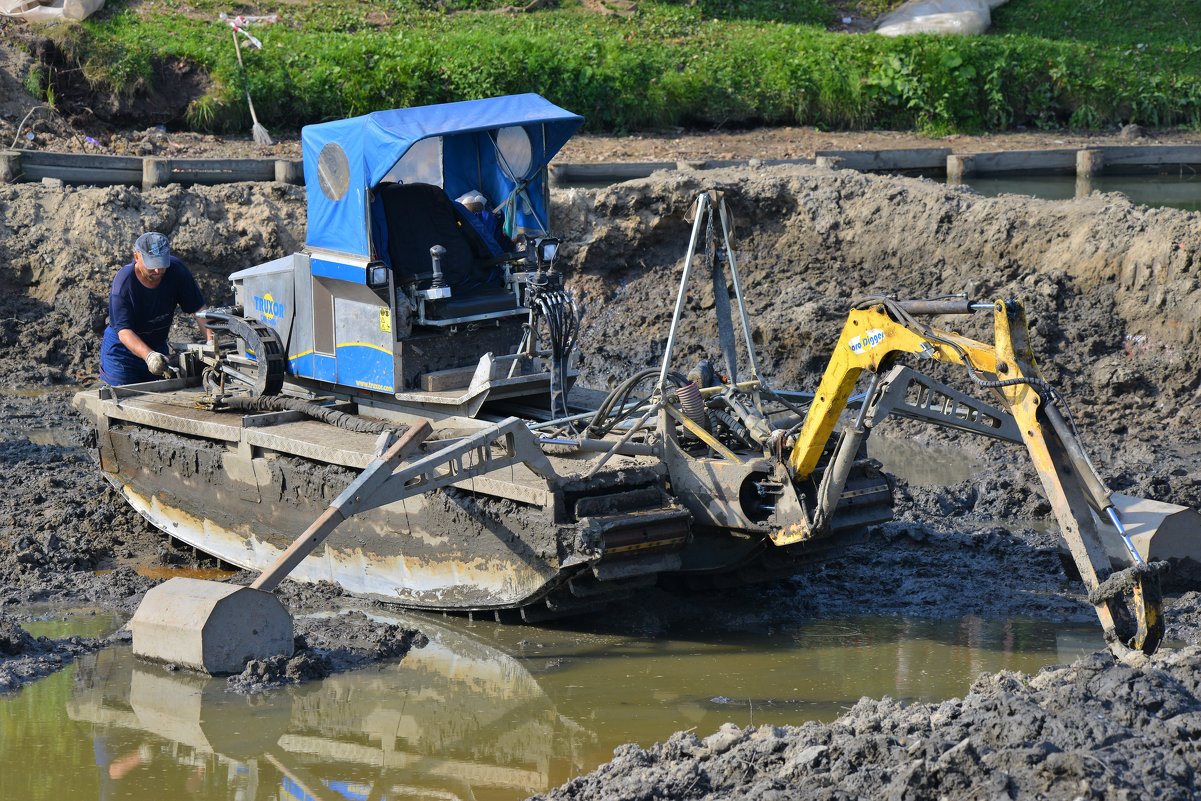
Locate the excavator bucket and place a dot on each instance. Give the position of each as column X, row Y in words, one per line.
column 1160, row 531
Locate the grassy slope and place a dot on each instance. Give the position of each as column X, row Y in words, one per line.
column 1084, row 63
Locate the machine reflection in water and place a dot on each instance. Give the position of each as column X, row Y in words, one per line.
column 495, row 712
column 456, row 720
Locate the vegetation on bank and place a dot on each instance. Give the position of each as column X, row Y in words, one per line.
column 695, row 63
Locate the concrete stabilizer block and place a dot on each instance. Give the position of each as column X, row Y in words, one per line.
column 209, row 626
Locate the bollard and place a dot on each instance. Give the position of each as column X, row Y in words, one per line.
column 1089, row 163
column 960, row 167
column 289, row 171
column 155, row 172
column 10, row 167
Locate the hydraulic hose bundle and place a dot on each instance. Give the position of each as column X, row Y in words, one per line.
column 556, row 308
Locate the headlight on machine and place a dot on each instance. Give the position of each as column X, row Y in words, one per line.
column 377, row 275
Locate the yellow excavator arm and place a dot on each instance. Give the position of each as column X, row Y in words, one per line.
column 880, row 331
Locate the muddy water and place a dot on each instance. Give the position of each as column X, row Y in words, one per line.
column 484, row 711
column 1174, row 191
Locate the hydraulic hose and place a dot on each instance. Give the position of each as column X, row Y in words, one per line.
column 278, row 403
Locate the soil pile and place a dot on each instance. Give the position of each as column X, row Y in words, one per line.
column 329, row 645
column 1111, row 289
column 1097, row 729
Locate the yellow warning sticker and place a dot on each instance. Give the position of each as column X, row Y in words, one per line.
column 385, row 320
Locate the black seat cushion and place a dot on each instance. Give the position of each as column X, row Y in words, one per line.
column 418, row 217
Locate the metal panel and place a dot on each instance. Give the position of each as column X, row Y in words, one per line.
column 363, row 338
column 323, row 316
column 268, row 295
column 300, row 343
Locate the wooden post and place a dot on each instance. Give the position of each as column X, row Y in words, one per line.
column 289, row 171
column 1089, row 163
column 155, row 172
column 10, row 166
column 960, row 167
column 1084, row 185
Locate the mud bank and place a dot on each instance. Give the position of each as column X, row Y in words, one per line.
column 329, row 645
column 1111, row 289
column 1096, row 729
column 25, row 658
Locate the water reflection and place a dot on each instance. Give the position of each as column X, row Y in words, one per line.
column 1181, row 191
column 486, row 711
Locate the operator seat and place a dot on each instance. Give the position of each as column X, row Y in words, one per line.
column 419, row 216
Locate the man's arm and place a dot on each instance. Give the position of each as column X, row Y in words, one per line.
column 156, row 362
column 198, row 315
column 130, row 339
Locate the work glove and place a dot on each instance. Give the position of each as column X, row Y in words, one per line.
column 157, row 363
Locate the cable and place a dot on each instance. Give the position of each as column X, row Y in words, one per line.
column 557, row 309
column 277, row 403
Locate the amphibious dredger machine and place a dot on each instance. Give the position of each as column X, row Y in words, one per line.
column 398, row 314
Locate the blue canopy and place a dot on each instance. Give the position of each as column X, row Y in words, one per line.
column 498, row 146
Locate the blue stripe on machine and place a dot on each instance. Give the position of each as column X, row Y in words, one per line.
column 315, row 365
column 354, row 273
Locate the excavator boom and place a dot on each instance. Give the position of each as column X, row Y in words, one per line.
column 877, row 334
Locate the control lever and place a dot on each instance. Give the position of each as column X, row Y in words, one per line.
column 438, row 288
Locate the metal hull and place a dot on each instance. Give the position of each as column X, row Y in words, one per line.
column 243, row 487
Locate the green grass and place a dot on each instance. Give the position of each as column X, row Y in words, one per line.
column 703, row 63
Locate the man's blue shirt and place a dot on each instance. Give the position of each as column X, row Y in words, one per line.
column 148, row 313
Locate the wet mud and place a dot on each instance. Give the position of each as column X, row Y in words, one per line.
column 1096, row 729
column 1114, row 303
column 328, row 645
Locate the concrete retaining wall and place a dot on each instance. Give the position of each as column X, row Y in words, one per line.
column 35, row 165
column 78, row 168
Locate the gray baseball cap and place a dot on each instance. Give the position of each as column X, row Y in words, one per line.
column 155, row 250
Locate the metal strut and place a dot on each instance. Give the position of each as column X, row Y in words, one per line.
column 709, row 203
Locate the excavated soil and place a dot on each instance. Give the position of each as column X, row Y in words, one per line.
column 1114, row 302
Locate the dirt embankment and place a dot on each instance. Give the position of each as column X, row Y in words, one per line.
column 59, row 249
column 1112, row 290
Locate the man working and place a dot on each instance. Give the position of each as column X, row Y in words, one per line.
column 141, row 307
